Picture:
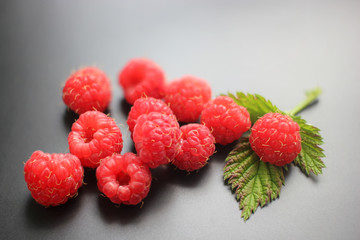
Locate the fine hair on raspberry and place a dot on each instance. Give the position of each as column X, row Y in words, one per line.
column 53, row 178
column 157, row 138
column 93, row 137
column 124, row 179
column 276, row 139
column 145, row 106
column 187, row 96
column 142, row 77
column 197, row 145
column 87, row 89
column 226, row 120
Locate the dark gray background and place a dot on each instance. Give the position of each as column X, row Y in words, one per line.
column 275, row 48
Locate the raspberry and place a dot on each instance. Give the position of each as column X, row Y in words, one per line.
column 275, row 138
column 87, row 89
column 187, row 97
column 227, row 120
column 123, row 178
column 142, row 77
column 157, row 138
column 196, row 148
column 145, row 106
column 53, row 178
column 93, row 137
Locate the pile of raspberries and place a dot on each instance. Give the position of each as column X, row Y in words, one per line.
column 95, row 140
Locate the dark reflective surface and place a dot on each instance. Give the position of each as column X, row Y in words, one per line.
column 278, row 50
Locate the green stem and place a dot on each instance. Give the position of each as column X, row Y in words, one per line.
column 311, row 96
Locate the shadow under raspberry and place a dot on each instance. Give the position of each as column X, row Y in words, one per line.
column 159, row 198
column 128, row 214
column 182, row 178
column 69, row 117
column 40, row 217
column 124, row 107
column 123, row 214
column 90, row 182
column 222, row 151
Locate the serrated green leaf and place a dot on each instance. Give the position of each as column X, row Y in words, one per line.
column 255, row 183
column 309, row 159
column 256, row 104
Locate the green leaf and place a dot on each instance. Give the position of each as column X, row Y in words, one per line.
column 256, row 105
column 309, row 159
column 255, row 182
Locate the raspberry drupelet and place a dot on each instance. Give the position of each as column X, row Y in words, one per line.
column 157, row 138
column 187, row 96
column 146, row 106
column 197, row 145
column 276, row 139
column 93, row 137
column 142, row 77
column 124, row 179
column 53, row 178
column 226, row 120
column 87, row 89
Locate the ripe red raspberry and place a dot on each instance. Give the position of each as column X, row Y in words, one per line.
column 53, row 178
column 275, row 138
column 226, row 120
column 145, row 106
column 157, row 138
column 196, row 147
column 142, row 77
column 187, row 97
column 87, row 89
column 93, row 137
column 123, row 178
